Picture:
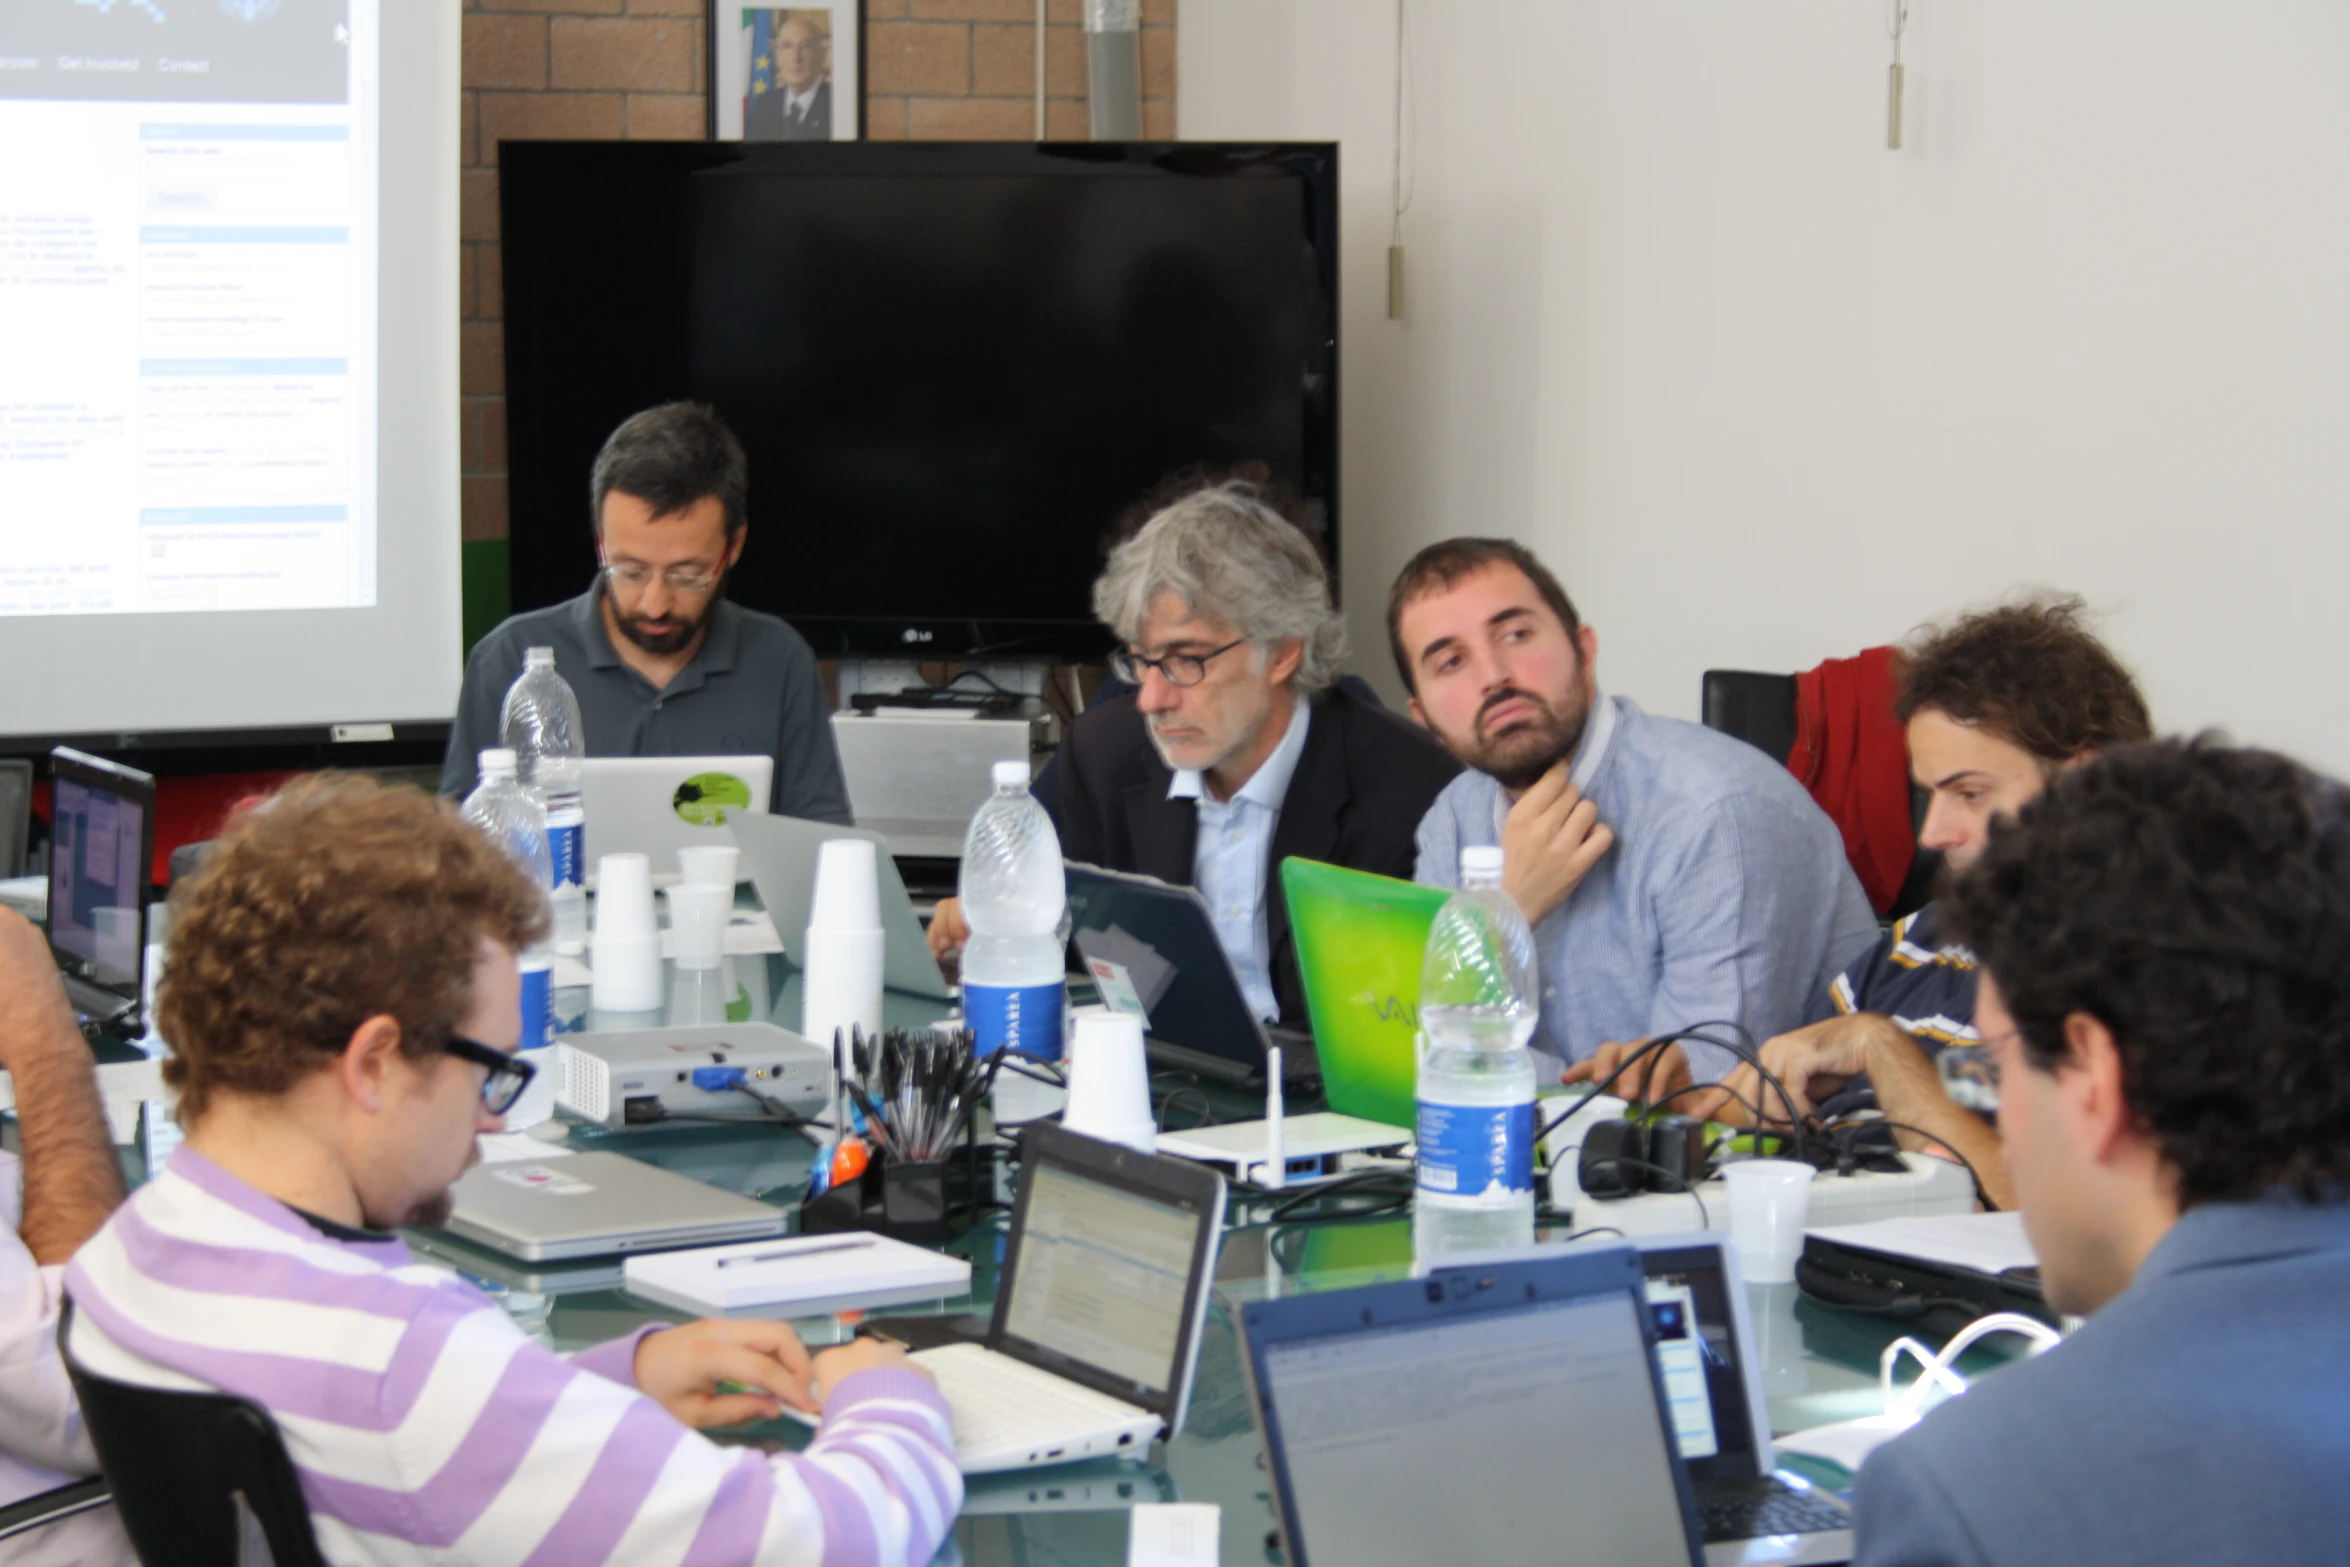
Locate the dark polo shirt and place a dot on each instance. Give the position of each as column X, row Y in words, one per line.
column 751, row 690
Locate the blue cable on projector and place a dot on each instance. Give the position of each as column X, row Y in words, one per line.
column 718, row 1079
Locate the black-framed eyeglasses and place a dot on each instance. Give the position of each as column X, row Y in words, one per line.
column 1180, row 669
column 636, row 578
column 507, row 1075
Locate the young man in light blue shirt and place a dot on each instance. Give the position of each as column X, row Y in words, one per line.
column 1674, row 876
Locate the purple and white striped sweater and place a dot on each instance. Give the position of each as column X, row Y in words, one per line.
column 427, row 1429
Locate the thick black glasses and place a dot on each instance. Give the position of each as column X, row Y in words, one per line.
column 507, row 1075
column 1180, row 669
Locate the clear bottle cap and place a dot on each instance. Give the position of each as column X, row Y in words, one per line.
column 1009, row 773
column 497, row 762
column 1483, row 859
column 539, row 658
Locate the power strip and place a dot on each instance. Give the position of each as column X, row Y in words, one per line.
column 1931, row 1186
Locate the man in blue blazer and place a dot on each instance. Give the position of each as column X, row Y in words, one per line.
column 2165, row 939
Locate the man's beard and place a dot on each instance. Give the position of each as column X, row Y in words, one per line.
column 1518, row 757
column 680, row 635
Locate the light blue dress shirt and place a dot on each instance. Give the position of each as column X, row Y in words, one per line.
column 1726, row 895
column 1228, row 858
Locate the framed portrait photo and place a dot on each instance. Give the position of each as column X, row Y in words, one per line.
column 787, row 72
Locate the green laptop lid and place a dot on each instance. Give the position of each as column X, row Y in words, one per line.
column 1360, row 939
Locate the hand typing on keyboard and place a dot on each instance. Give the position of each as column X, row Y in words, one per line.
column 862, row 1354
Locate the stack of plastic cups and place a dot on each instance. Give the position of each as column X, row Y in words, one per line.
column 842, row 985
column 625, row 950
column 1110, row 1082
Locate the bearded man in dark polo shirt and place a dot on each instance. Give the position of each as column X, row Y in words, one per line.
column 662, row 664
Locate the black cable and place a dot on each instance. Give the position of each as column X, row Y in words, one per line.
column 1207, row 1110
column 1982, row 1194
column 1340, row 1187
column 1744, row 1103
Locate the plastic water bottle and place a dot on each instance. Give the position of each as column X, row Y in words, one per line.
column 540, row 725
column 1476, row 1126
column 500, row 807
column 1016, row 899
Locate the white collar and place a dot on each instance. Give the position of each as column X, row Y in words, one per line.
column 1591, row 750
column 1268, row 786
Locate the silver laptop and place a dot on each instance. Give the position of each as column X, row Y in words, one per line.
column 1099, row 1304
column 1749, row 1516
column 779, row 855
column 598, row 1204
column 657, row 805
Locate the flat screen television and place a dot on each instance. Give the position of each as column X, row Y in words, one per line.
column 952, row 365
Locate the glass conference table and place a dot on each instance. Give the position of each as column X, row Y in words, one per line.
column 1818, row 1365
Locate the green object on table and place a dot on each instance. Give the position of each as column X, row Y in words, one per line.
column 1360, row 939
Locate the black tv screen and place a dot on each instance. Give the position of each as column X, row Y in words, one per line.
column 952, row 366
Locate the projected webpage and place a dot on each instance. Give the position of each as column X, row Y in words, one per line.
column 187, row 292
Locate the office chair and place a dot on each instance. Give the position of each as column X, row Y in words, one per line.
column 1760, row 710
column 178, row 1462
column 38, row 1512
column 16, row 813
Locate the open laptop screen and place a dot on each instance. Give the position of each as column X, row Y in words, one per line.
column 1536, row 1426
column 101, row 836
column 1103, row 1276
column 1697, row 1351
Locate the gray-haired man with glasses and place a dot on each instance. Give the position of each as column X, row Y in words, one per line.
column 662, row 663
column 1235, row 750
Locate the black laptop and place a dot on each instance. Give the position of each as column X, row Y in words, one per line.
column 101, row 845
column 1146, row 943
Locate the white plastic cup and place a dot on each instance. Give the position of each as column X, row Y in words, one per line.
column 624, row 896
column 1769, row 1202
column 627, row 972
column 1110, row 1082
column 1564, row 1146
column 842, row 984
column 709, row 865
column 848, row 887
column 698, row 917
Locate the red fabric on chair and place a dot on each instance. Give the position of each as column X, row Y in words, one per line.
column 1851, row 753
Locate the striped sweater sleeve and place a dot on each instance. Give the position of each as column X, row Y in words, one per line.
column 426, row 1428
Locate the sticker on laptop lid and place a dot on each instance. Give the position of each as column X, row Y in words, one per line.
column 1116, row 987
column 705, row 798
column 542, row 1178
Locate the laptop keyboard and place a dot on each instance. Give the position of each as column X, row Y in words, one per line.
column 999, row 1404
column 1768, row 1506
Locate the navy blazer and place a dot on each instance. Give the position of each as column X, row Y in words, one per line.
column 1363, row 782
column 2202, row 1417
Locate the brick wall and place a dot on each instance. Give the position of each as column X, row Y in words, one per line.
column 937, row 70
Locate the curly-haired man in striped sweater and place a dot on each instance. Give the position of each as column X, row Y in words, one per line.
column 342, row 994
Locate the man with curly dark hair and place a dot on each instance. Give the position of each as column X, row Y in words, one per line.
column 2165, row 945
column 1994, row 706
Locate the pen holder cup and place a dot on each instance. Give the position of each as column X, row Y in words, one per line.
column 906, row 1202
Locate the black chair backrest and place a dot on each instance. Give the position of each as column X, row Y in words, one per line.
column 1758, row 709
column 178, row 1461
column 16, row 813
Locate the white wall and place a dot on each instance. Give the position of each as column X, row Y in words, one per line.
column 1764, row 392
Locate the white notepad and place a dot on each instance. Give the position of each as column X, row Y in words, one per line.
column 803, row 1276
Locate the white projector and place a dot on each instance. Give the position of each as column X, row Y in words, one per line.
column 636, row 1078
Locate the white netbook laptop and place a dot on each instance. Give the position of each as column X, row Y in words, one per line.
column 597, row 1205
column 779, row 855
column 1748, row 1515
column 657, row 805
column 1098, row 1309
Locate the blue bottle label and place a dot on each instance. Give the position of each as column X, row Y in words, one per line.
column 563, row 848
column 537, row 1015
column 1026, row 1018
column 1477, row 1151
